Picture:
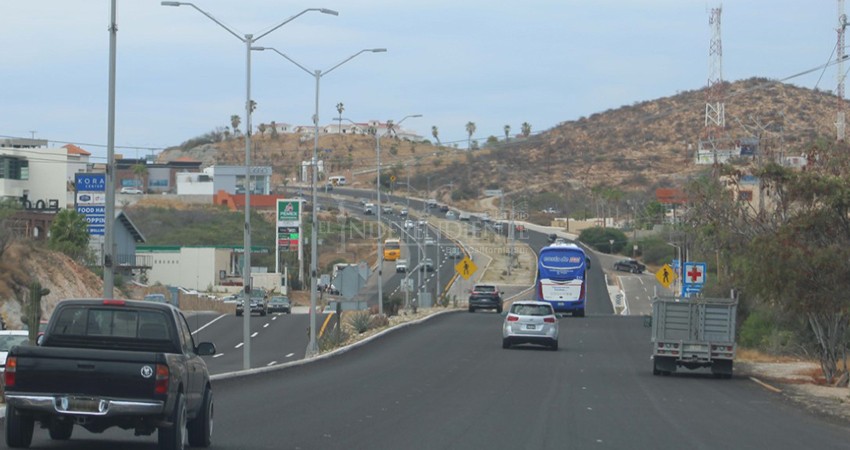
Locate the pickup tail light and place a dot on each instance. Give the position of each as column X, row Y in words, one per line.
column 11, row 368
column 162, row 376
column 114, row 302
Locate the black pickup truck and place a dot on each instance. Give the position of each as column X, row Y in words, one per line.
column 111, row 363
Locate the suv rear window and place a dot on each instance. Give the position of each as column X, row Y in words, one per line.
column 531, row 310
column 485, row 289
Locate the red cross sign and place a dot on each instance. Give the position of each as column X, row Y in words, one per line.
column 695, row 273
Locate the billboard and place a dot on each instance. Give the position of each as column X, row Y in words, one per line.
column 90, row 200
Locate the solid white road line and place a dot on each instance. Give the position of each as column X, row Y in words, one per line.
column 208, row 324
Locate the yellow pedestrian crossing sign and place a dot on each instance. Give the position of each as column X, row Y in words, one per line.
column 666, row 276
column 465, row 268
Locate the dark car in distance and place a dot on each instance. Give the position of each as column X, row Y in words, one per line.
column 485, row 296
column 280, row 303
column 629, row 265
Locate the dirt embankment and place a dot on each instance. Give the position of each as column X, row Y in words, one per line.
column 24, row 263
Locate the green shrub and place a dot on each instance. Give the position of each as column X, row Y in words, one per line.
column 655, row 250
column 392, row 304
column 600, row 239
column 762, row 331
column 359, row 321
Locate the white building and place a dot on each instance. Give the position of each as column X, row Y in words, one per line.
column 231, row 179
column 78, row 161
column 28, row 167
column 194, row 183
column 199, row 268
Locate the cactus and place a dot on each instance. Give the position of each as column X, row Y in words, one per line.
column 33, row 309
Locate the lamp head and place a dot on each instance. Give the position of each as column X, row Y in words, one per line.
column 170, row 3
column 329, row 11
column 378, row 50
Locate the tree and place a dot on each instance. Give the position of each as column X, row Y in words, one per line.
column 262, row 128
column 340, row 108
column 274, row 129
column 234, row 123
column 391, row 128
column 436, row 133
column 526, row 129
column 69, row 234
column 793, row 254
column 470, row 130
column 140, row 170
column 507, row 132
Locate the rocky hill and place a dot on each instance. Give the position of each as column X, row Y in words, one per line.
column 634, row 148
column 24, row 263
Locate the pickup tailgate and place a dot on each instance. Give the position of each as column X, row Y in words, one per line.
column 88, row 372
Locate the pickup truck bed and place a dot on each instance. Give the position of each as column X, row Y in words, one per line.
column 111, row 363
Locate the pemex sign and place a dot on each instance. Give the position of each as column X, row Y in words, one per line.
column 288, row 225
column 288, row 213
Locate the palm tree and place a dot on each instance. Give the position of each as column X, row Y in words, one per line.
column 274, row 129
column 234, row 122
column 340, row 107
column 507, row 132
column 436, row 133
column 390, row 127
column 526, row 129
column 262, row 128
column 470, row 130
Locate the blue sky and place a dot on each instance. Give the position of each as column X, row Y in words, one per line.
column 179, row 75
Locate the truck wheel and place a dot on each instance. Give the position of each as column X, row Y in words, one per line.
column 201, row 427
column 60, row 430
column 18, row 428
column 174, row 437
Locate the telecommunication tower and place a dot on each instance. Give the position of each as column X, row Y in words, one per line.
column 714, row 139
column 715, row 109
column 842, row 24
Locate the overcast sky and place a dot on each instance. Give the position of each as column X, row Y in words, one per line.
column 179, row 75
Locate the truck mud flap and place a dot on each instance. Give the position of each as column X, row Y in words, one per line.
column 663, row 365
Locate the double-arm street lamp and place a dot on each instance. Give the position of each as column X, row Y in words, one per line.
column 314, row 257
column 249, row 40
column 380, row 233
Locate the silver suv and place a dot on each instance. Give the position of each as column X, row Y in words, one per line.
column 530, row 322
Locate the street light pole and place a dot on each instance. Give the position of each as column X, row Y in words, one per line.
column 109, row 210
column 313, row 348
column 379, row 206
column 248, row 40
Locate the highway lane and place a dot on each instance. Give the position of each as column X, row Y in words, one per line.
column 447, row 383
column 277, row 339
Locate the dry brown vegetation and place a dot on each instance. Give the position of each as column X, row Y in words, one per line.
column 635, row 147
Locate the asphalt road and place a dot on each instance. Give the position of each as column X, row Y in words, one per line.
column 447, row 383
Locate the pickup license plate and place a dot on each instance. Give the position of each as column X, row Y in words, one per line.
column 83, row 405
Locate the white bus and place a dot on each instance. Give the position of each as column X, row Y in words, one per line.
column 337, row 180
